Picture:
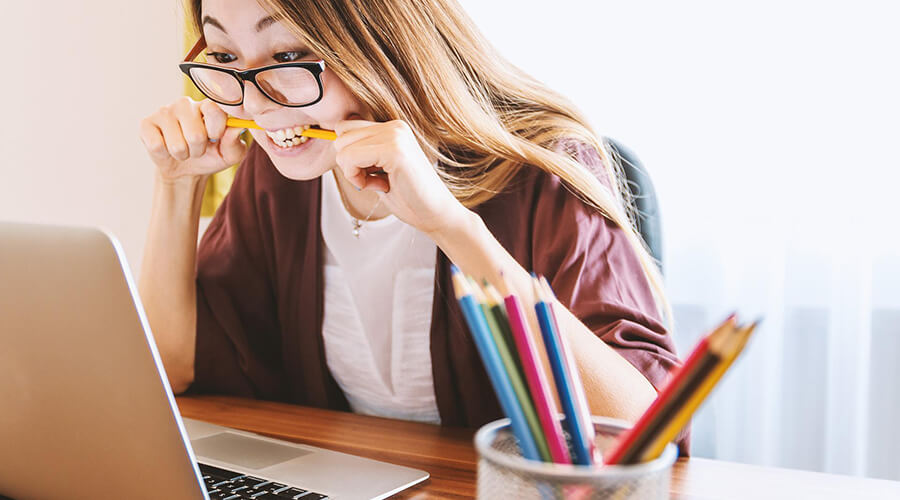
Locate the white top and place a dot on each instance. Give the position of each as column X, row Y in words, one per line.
column 379, row 290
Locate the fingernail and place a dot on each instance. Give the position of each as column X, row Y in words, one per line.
column 213, row 140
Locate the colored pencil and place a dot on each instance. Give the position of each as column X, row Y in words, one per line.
column 704, row 369
column 498, row 311
column 495, row 302
column 658, row 409
column 729, row 348
column 490, row 356
column 682, row 395
column 692, row 382
column 565, row 386
column 581, row 404
column 316, row 133
column 541, row 389
column 496, row 325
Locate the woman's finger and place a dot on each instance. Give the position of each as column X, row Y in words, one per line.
column 171, row 131
column 350, row 131
column 352, row 122
column 213, row 118
column 371, row 152
column 354, row 162
column 354, row 175
column 231, row 147
column 152, row 137
column 377, row 181
column 192, row 128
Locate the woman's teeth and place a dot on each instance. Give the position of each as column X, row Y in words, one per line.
column 288, row 137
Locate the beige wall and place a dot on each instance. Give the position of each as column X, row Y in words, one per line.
column 79, row 76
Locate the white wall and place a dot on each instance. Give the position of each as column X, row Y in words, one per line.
column 727, row 100
column 78, row 77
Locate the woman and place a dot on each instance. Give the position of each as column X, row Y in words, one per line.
column 323, row 279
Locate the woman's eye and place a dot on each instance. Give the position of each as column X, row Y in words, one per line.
column 221, row 57
column 290, row 56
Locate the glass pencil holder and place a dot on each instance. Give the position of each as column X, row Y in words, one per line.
column 504, row 473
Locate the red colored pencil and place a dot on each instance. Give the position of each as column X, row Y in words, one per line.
column 624, row 445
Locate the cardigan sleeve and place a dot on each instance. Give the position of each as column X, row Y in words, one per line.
column 237, row 351
column 595, row 272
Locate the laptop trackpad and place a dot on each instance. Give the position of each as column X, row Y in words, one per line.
column 244, row 451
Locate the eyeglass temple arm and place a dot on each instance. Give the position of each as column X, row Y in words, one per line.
column 196, row 49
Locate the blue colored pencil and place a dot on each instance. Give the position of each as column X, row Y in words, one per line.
column 487, row 349
column 565, row 386
column 584, row 412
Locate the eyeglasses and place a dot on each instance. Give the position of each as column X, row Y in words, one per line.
column 294, row 84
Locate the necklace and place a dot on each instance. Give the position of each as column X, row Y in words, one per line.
column 357, row 224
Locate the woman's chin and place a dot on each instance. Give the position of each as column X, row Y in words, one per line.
column 309, row 165
column 300, row 172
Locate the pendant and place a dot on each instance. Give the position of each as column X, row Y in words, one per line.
column 356, row 226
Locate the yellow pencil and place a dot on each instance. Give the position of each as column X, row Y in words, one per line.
column 733, row 346
column 315, row 133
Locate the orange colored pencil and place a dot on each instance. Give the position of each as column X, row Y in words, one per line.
column 316, row 133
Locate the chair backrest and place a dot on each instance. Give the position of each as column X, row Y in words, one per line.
column 647, row 215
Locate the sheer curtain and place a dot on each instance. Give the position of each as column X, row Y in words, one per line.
column 770, row 129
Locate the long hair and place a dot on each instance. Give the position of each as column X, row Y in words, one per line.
column 482, row 119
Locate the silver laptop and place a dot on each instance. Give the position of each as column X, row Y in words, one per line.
column 86, row 410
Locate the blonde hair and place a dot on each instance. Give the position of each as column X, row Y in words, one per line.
column 483, row 119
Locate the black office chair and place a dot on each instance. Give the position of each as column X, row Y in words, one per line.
column 647, row 218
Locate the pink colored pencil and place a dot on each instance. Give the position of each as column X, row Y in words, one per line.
column 537, row 380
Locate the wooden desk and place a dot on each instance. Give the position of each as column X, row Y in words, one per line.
column 449, row 455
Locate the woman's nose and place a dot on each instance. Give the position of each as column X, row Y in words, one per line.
column 255, row 102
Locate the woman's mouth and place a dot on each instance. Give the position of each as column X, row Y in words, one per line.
column 290, row 137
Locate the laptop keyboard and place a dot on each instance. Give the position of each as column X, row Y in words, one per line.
column 222, row 484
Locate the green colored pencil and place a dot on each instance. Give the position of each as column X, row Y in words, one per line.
column 494, row 322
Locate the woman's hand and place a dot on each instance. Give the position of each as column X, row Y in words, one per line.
column 189, row 139
column 412, row 189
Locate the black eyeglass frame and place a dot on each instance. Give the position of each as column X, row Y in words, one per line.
column 314, row 67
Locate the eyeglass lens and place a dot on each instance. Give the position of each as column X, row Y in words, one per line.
column 291, row 86
column 218, row 85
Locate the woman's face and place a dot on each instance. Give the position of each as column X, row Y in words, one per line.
column 241, row 35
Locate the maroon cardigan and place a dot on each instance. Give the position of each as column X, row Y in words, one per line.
column 260, row 292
